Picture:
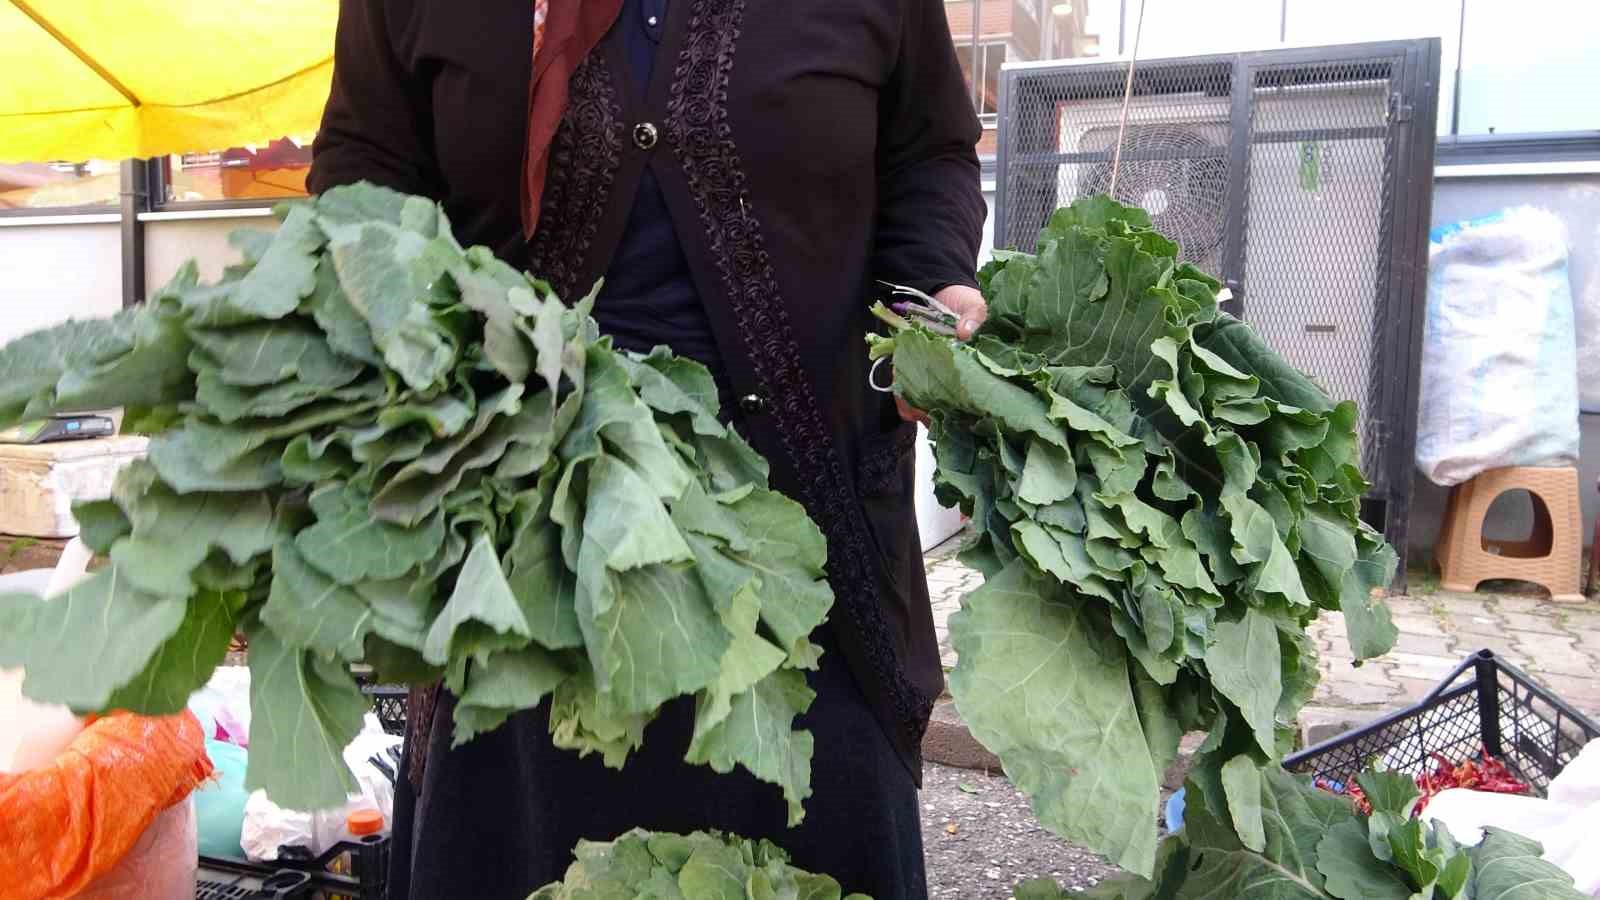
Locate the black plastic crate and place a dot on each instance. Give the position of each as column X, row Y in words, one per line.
column 1484, row 704
column 389, row 702
column 226, row 879
column 294, row 877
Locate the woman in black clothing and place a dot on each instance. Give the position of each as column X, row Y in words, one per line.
column 740, row 171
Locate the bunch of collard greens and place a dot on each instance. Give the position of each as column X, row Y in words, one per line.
column 1318, row 847
column 373, row 445
column 1162, row 504
column 700, row 866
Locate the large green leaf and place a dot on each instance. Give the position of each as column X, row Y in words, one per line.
column 134, row 358
column 287, row 271
column 758, row 734
column 933, row 375
column 1045, row 686
column 308, row 609
column 659, row 637
column 1507, row 866
column 787, row 554
column 347, row 331
column 349, row 544
column 266, row 353
column 304, row 710
column 1235, row 343
column 504, row 683
column 100, row 524
column 173, row 533
column 1372, row 633
column 1246, row 667
column 96, row 638
column 504, row 346
column 185, row 662
column 482, row 616
column 416, row 490
column 1345, row 859
column 229, row 403
column 187, row 466
column 1294, row 821
column 543, row 586
column 374, row 266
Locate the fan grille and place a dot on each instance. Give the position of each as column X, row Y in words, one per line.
column 1175, row 174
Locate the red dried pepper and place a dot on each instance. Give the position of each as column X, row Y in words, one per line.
column 1482, row 774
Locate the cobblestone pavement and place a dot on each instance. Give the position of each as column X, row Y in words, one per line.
column 1557, row 644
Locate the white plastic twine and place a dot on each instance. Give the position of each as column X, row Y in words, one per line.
column 1127, row 98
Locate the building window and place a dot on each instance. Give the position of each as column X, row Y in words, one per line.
column 991, row 56
column 240, row 174
column 60, row 185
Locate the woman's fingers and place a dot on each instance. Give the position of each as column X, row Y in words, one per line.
column 971, row 310
column 968, row 305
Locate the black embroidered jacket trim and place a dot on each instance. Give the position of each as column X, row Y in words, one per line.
column 879, row 470
column 584, row 159
column 702, row 139
column 420, row 705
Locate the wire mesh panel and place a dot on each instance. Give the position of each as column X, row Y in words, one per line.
column 1317, row 228
column 1061, row 136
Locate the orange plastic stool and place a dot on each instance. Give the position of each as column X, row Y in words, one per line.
column 1594, row 555
column 1551, row 557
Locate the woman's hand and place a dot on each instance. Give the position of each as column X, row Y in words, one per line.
column 970, row 309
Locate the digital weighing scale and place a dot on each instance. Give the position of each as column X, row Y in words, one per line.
column 59, row 428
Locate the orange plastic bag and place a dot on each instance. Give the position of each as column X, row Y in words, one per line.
column 68, row 823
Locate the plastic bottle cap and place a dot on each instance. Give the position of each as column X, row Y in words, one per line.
column 363, row 822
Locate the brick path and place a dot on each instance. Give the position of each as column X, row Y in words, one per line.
column 1558, row 645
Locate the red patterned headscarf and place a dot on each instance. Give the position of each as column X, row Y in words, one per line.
column 564, row 33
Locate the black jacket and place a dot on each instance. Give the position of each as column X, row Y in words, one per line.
column 805, row 148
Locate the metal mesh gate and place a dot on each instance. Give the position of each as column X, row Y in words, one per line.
column 1300, row 177
column 1318, row 228
column 1058, row 144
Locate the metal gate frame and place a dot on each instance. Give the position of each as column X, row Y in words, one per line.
column 1413, row 72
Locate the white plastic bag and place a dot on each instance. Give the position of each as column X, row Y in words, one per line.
column 1499, row 356
column 268, row 827
column 1586, row 310
column 32, row 734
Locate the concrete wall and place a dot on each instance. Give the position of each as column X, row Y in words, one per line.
column 55, row 272
column 168, row 243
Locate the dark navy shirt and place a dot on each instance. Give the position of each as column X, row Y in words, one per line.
column 649, row 297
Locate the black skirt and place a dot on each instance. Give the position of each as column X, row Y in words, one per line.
column 499, row 817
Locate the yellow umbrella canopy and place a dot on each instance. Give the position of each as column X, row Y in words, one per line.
column 118, row 79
